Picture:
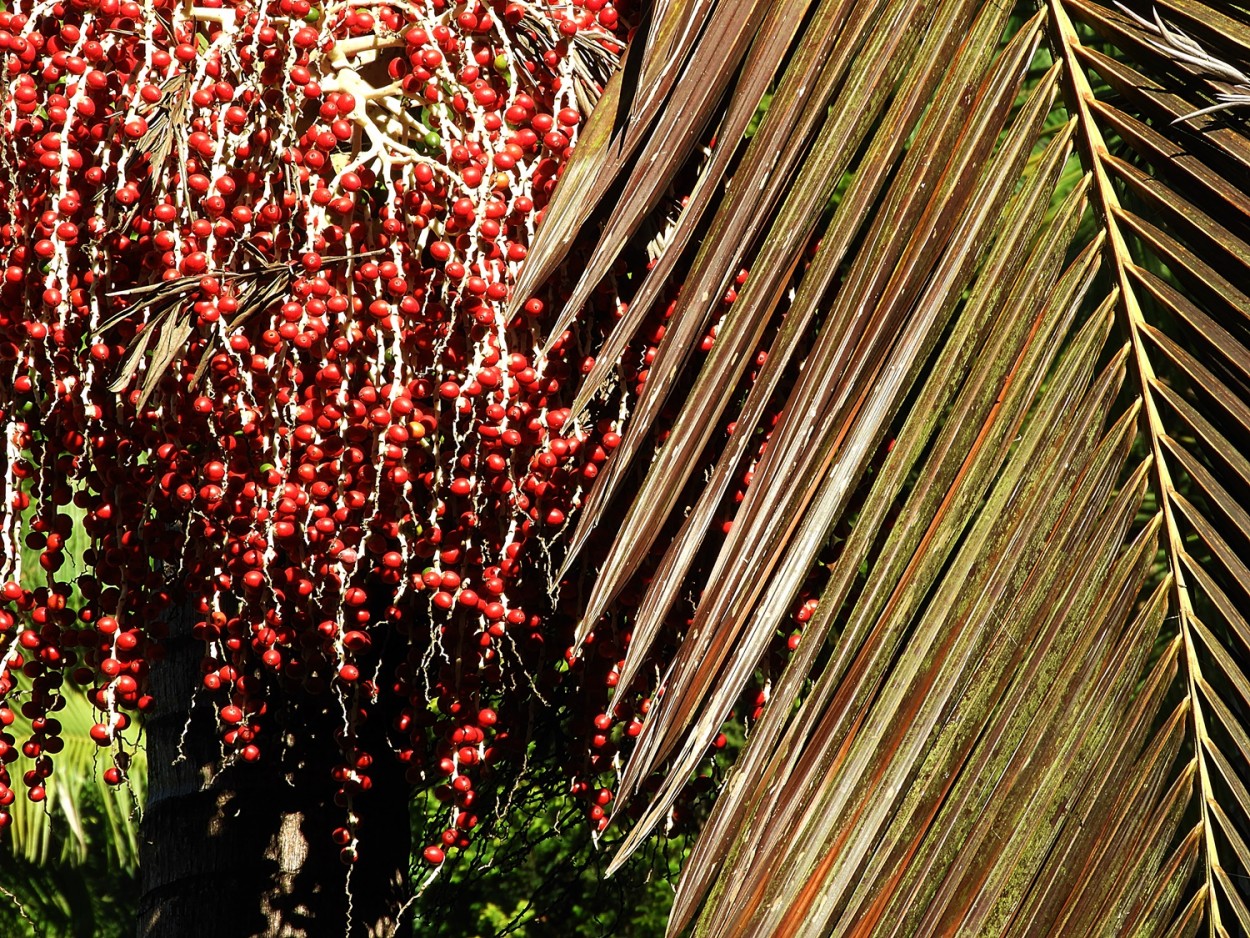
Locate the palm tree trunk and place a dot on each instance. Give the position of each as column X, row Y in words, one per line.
column 247, row 852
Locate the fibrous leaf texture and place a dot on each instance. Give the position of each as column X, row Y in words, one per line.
column 989, row 378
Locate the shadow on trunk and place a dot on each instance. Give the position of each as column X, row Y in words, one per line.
column 248, row 852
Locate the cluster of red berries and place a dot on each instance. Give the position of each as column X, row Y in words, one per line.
column 253, row 352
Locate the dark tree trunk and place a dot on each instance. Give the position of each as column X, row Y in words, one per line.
column 248, row 853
